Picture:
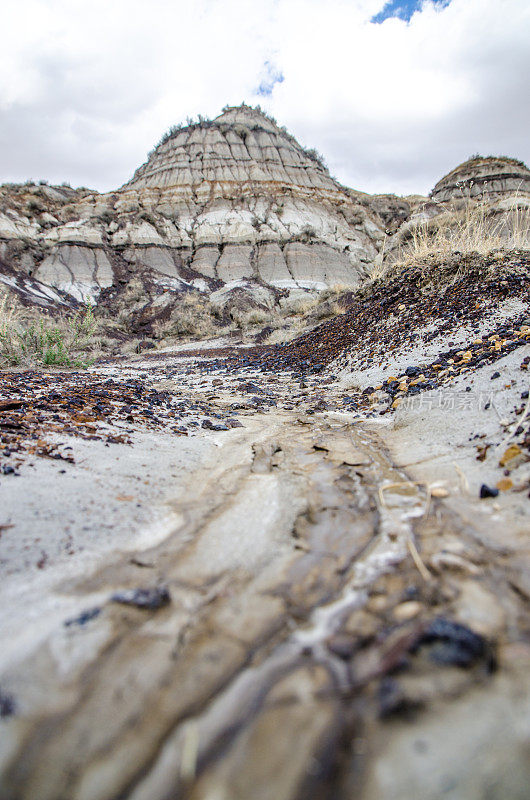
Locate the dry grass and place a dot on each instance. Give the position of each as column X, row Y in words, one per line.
column 256, row 317
column 300, row 314
column 475, row 228
column 32, row 338
column 193, row 316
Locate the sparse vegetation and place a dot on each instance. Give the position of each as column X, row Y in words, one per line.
column 315, row 156
column 146, row 216
column 175, row 129
column 34, row 338
column 34, row 205
column 475, row 228
column 192, row 315
column 307, row 233
column 515, row 161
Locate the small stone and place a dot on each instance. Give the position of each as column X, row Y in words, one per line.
column 405, row 611
column 7, row 705
column 439, row 491
column 487, row 491
column 510, row 453
column 362, row 624
column 454, row 643
column 151, row 599
column 504, row 485
column 83, row 618
column 444, row 560
column 234, row 423
column 377, row 604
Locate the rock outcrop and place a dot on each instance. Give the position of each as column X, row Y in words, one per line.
column 234, row 201
column 232, row 205
column 483, row 177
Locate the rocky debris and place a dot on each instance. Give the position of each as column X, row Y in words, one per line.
column 488, row 491
column 90, row 407
column 403, row 312
column 452, row 643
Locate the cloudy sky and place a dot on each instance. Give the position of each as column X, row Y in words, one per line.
column 393, row 94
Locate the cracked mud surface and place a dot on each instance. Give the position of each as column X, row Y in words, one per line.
column 310, row 623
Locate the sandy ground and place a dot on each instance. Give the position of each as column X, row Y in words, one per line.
column 305, row 556
column 114, row 497
column 435, row 437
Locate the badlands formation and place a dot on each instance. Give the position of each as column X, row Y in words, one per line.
column 232, row 209
column 240, row 568
column 232, row 203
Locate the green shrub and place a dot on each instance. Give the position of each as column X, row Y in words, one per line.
column 64, row 342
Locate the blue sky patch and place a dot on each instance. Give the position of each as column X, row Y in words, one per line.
column 403, row 9
column 270, row 77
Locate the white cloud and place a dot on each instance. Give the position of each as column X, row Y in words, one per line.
column 87, row 89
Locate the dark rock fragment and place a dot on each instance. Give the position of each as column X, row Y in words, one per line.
column 455, row 644
column 487, row 491
column 7, row 469
column 210, row 426
column 84, row 617
column 150, row 598
column 234, row 423
column 7, row 705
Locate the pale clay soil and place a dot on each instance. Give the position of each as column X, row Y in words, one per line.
column 300, row 552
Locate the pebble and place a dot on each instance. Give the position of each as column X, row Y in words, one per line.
column 151, row 598
column 454, row 644
column 487, row 491
column 405, row 611
column 439, row 491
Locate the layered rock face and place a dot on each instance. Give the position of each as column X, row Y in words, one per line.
column 483, row 178
column 233, row 207
column 232, row 201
